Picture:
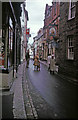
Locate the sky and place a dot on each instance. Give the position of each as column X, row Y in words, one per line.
column 36, row 10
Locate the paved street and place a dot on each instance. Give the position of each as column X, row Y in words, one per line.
column 59, row 94
column 39, row 94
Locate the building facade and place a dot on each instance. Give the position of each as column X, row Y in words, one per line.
column 24, row 19
column 51, row 27
column 11, row 42
column 48, row 36
column 40, row 40
column 68, row 44
column 35, row 44
column 46, row 31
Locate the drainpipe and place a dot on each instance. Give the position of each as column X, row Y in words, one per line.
column 15, row 49
column 12, row 10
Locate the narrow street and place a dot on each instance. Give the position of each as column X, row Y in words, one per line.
column 59, row 96
column 39, row 95
column 42, row 34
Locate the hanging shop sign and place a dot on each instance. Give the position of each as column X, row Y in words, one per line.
column 27, row 31
column 52, row 31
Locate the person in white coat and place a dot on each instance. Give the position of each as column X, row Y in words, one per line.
column 48, row 61
column 52, row 64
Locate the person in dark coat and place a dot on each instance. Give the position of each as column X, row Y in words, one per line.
column 27, row 58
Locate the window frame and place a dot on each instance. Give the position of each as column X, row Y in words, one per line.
column 10, row 42
column 70, row 48
column 71, row 8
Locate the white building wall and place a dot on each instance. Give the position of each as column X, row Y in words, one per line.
column 23, row 36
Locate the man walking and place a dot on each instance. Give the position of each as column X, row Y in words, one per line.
column 27, row 58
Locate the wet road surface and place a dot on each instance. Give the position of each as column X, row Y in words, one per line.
column 60, row 94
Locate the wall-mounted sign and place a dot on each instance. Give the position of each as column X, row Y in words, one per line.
column 52, row 31
column 27, row 31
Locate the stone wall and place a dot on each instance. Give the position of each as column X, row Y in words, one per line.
column 67, row 27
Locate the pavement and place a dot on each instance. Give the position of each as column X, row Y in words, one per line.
column 23, row 107
column 18, row 101
column 12, row 103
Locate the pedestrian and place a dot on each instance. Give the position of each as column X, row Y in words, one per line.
column 52, row 64
column 27, row 58
column 48, row 61
column 36, row 62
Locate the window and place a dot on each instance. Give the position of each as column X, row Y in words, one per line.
column 10, row 47
column 72, row 10
column 70, row 48
column 54, row 8
column 10, row 39
column 45, row 34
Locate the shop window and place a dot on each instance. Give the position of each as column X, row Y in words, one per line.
column 10, row 39
column 72, row 10
column 10, row 50
column 2, row 46
column 70, row 48
column 1, row 51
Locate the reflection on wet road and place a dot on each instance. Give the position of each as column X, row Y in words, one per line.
column 59, row 94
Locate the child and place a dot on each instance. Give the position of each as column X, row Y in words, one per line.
column 36, row 63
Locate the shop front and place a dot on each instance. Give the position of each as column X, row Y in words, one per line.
column 9, row 51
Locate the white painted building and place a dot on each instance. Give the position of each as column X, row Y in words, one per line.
column 24, row 19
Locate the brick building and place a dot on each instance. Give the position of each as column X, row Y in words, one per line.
column 68, row 44
column 51, row 27
column 46, row 42
column 40, row 41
